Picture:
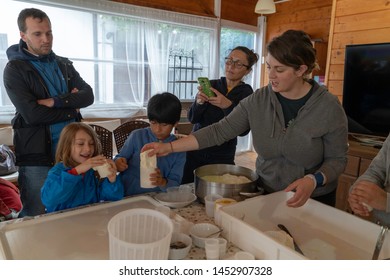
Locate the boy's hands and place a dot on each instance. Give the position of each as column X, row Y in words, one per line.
column 157, row 179
column 365, row 192
column 121, row 164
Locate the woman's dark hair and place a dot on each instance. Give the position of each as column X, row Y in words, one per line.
column 30, row 12
column 164, row 108
column 294, row 48
column 251, row 56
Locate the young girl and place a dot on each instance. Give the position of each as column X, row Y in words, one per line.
column 72, row 182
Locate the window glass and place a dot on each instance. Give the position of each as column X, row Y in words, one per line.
column 231, row 38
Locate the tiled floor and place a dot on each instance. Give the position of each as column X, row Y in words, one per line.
column 246, row 159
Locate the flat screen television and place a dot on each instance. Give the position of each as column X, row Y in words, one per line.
column 366, row 92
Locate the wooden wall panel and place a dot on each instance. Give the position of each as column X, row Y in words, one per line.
column 300, row 5
column 354, row 22
column 195, row 7
column 338, row 56
column 239, row 11
column 360, row 22
column 315, row 28
column 336, row 87
column 336, row 72
column 353, row 7
column 311, row 16
column 297, row 16
column 340, row 40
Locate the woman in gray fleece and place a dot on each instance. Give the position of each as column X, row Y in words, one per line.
column 299, row 129
column 371, row 191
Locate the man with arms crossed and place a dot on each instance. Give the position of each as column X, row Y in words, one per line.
column 47, row 93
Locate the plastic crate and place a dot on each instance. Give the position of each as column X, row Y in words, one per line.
column 321, row 231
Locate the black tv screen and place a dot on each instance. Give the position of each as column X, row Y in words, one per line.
column 366, row 92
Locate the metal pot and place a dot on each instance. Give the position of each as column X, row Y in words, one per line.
column 236, row 191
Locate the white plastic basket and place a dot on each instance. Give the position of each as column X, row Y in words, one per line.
column 139, row 234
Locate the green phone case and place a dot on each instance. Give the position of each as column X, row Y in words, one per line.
column 205, row 84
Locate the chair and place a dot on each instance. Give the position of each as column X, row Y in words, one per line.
column 105, row 137
column 122, row 132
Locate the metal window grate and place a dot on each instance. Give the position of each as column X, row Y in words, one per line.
column 183, row 71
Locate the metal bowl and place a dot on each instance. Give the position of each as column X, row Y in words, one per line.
column 235, row 191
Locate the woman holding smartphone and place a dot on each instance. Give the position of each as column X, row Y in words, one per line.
column 299, row 129
column 229, row 91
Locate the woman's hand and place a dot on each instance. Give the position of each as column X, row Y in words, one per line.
column 220, row 100
column 303, row 187
column 121, row 164
column 201, row 98
column 90, row 163
column 158, row 149
column 356, row 206
column 157, row 179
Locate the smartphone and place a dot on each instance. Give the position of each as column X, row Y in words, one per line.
column 205, row 84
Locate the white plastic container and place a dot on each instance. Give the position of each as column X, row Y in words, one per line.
column 139, row 234
column 104, row 170
column 211, row 246
column 210, row 203
column 321, row 231
column 147, row 166
column 200, row 232
column 219, row 203
column 79, row 234
column 180, row 253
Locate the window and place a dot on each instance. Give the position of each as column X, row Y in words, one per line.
column 233, row 35
column 4, row 100
column 121, row 50
column 183, row 70
column 128, row 53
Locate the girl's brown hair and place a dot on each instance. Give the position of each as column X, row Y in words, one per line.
column 67, row 138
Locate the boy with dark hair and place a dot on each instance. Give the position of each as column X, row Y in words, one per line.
column 164, row 114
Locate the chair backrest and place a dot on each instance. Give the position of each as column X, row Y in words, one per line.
column 105, row 137
column 122, row 132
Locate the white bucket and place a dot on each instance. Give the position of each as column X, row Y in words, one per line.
column 139, row 234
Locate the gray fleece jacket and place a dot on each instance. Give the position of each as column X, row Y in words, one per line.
column 317, row 140
column 379, row 173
